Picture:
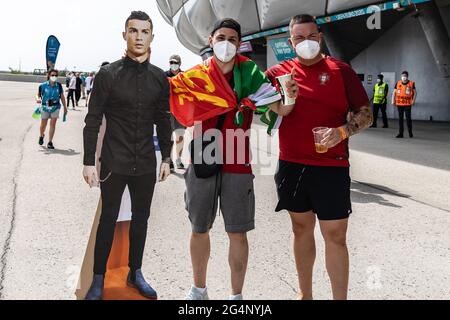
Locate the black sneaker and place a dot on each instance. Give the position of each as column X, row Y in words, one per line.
column 411, row 135
column 399, row 136
column 50, row 145
column 41, row 141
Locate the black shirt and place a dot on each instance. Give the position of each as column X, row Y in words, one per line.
column 78, row 84
column 170, row 74
column 133, row 97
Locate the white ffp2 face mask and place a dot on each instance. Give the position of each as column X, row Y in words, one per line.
column 308, row 49
column 404, row 79
column 53, row 79
column 225, row 51
column 174, row 67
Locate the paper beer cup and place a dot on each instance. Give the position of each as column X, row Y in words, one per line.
column 282, row 80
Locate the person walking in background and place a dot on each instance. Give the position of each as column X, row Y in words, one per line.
column 380, row 93
column 68, row 77
column 50, row 95
column 89, row 83
column 72, row 88
column 83, row 77
column 404, row 97
column 177, row 128
column 78, row 85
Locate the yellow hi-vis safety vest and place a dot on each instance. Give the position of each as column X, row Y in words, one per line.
column 379, row 96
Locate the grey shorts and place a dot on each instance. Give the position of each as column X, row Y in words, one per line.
column 48, row 115
column 237, row 201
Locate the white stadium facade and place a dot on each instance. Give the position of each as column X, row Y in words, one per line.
column 373, row 36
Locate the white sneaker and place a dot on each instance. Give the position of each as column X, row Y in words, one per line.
column 236, row 297
column 197, row 294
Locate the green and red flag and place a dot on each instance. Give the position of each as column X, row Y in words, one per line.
column 203, row 92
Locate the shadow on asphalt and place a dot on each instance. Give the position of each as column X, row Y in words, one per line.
column 68, row 152
column 366, row 193
column 429, row 147
column 378, row 189
column 178, row 175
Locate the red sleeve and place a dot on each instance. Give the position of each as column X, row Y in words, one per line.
column 356, row 94
column 271, row 74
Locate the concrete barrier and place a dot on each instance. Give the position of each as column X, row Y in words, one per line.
column 27, row 78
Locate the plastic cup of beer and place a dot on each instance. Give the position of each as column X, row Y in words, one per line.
column 319, row 133
column 282, row 80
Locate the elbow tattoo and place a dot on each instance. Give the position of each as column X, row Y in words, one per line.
column 359, row 120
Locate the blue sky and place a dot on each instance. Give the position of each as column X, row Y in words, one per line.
column 90, row 31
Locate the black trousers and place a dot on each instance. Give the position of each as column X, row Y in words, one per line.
column 401, row 115
column 141, row 192
column 70, row 97
column 77, row 95
column 376, row 109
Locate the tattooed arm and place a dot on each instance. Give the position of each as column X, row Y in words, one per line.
column 360, row 116
column 357, row 121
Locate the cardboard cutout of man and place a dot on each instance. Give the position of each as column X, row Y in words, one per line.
column 133, row 95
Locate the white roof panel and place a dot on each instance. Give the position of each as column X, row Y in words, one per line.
column 193, row 19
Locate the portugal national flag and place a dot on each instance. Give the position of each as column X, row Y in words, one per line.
column 203, row 92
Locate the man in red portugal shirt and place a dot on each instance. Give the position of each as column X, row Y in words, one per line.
column 314, row 183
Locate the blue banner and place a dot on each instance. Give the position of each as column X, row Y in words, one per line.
column 51, row 52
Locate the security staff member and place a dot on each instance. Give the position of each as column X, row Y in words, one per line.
column 380, row 93
column 404, row 97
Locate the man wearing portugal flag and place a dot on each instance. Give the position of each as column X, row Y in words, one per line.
column 221, row 98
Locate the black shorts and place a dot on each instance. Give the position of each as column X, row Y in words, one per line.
column 323, row 190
